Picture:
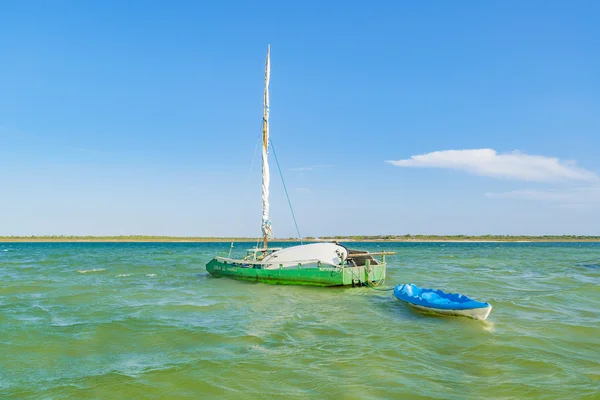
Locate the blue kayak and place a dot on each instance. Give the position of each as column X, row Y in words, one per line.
column 442, row 302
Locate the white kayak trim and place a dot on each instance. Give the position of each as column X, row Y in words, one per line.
column 475, row 313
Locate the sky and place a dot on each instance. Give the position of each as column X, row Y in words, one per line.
column 387, row 117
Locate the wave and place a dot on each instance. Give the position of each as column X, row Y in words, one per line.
column 87, row 271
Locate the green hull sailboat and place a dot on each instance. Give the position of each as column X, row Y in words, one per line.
column 348, row 267
column 317, row 264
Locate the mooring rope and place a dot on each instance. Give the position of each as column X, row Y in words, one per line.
column 372, row 285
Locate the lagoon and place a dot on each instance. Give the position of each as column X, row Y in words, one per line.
column 145, row 320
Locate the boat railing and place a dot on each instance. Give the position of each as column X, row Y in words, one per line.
column 369, row 255
column 375, row 253
column 299, row 262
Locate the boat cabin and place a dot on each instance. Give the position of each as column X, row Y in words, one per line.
column 257, row 254
column 358, row 258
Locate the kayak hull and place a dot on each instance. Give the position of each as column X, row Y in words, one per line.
column 475, row 313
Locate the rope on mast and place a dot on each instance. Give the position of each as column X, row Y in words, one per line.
column 286, row 192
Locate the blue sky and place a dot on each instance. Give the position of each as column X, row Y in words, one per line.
column 387, row 117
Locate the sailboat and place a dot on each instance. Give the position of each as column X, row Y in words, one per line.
column 317, row 264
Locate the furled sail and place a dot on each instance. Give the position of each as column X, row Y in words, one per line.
column 266, row 224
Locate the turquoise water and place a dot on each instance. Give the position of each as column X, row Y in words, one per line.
column 145, row 320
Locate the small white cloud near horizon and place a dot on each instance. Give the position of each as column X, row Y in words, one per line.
column 574, row 198
column 514, row 165
column 310, row 167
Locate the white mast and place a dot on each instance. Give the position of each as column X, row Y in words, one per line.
column 266, row 224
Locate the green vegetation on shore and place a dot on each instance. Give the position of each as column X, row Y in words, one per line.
column 507, row 238
column 383, row 238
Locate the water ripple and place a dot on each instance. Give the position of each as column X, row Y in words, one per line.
column 131, row 320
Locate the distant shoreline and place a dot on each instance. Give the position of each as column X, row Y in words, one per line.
column 385, row 239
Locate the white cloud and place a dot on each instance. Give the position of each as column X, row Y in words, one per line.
column 309, row 167
column 303, row 168
column 574, row 206
column 514, row 165
column 568, row 198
